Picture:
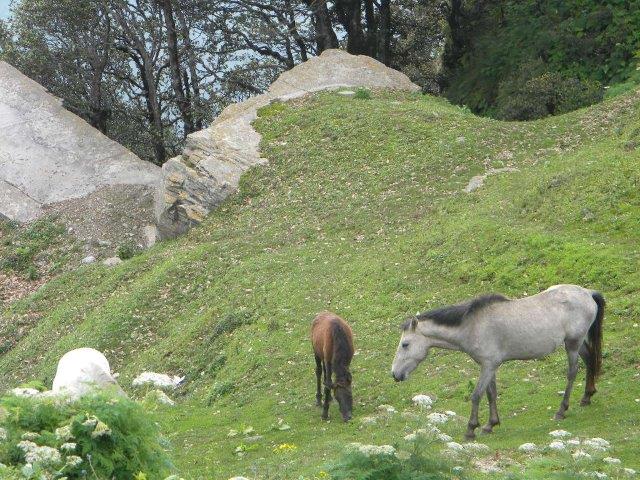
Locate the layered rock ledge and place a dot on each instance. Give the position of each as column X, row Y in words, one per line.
column 209, row 169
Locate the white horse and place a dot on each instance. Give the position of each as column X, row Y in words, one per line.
column 493, row 329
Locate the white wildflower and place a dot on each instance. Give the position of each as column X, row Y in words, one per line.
column 450, row 413
column 64, row 433
column 368, row 420
column 629, row 471
column 3, row 435
column 421, row 400
column 30, row 436
column 560, row 434
column 612, row 461
column 91, row 422
column 68, row 447
column 600, row 475
column 26, row 446
column 43, row 456
column 411, row 437
column 370, row 450
column 238, row 478
column 528, row 447
column 573, row 442
column 387, row 409
column 454, row 446
column 476, row 447
column 443, row 437
column 597, row 443
column 437, row 418
column 557, row 445
column 73, row 461
column 457, row 470
column 580, row 454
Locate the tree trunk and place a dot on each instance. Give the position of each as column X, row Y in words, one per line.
column 325, row 35
column 192, row 80
column 356, row 43
column 372, row 28
column 384, row 33
column 182, row 102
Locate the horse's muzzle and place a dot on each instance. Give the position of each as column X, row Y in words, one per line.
column 399, row 378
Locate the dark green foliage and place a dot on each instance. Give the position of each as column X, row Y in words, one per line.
column 363, row 94
column 113, row 436
column 230, row 322
column 418, row 466
column 579, row 43
column 530, row 94
column 127, row 250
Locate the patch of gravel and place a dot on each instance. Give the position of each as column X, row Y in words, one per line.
column 108, row 218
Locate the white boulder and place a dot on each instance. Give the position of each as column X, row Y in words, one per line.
column 81, row 371
column 158, row 380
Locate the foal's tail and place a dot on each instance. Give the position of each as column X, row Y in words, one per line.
column 594, row 340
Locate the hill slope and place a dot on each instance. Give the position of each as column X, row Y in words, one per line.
column 361, row 211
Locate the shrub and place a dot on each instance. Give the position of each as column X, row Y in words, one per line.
column 531, row 95
column 127, row 250
column 361, row 463
column 363, row 94
column 100, row 436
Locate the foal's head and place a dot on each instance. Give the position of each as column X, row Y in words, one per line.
column 411, row 351
column 344, row 397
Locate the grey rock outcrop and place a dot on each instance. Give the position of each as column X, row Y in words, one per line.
column 213, row 160
column 49, row 156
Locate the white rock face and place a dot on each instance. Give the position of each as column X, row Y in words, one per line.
column 528, row 447
column 424, row 401
column 49, row 155
column 158, row 380
column 81, row 371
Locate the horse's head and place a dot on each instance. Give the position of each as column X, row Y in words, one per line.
column 411, row 351
column 344, row 397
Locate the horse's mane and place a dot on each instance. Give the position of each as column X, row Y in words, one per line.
column 453, row 315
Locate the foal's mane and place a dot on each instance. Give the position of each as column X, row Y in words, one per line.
column 453, row 315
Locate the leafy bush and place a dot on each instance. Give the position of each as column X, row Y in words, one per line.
column 363, row 94
column 127, row 250
column 101, row 436
column 529, row 95
column 373, row 463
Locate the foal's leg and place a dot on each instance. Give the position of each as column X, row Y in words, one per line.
column 327, row 390
column 318, row 380
column 486, row 374
column 492, row 396
column 590, row 386
column 572, row 355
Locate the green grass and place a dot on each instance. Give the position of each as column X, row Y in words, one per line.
column 361, row 211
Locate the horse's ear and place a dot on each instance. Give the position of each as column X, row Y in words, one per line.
column 414, row 324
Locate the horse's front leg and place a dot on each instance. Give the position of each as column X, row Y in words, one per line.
column 492, row 396
column 572, row 355
column 486, row 374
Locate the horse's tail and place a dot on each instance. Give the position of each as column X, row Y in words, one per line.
column 594, row 340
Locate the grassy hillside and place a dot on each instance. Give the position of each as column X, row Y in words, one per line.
column 361, row 211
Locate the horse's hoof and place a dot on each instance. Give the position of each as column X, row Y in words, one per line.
column 585, row 401
column 487, row 429
column 470, row 436
column 559, row 416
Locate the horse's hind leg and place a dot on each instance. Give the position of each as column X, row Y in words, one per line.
column 590, row 386
column 572, row 355
column 492, row 396
column 318, row 381
column 327, row 390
